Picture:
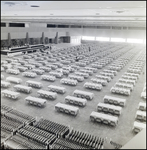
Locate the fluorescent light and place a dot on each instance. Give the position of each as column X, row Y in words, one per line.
column 135, row 40
column 102, row 38
column 34, row 6
column 117, row 40
column 88, row 38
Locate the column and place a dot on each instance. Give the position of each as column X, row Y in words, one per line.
column 27, row 38
column 42, row 38
column 56, row 38
column 9, row 40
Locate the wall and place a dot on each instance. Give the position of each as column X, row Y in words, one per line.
column 137, row 34
column 34, row 32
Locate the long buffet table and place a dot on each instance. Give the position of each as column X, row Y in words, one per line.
column 31, row 48
column 6, row 52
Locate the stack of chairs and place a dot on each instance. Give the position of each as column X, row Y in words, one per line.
column 85, row 139
column 61, row 143
column 40, row 136
column 52, row 127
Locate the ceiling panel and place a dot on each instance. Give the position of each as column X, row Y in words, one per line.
column 124, row 13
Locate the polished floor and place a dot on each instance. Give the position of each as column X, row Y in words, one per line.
column 121, row 134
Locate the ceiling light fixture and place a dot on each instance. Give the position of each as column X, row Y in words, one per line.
column 14, row 3
column 119, row 11
column 9, row 3
column 34, row 6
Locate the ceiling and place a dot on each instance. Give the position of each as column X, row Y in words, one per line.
column 100, row 13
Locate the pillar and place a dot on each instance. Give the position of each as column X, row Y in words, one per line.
column 9, row 40
column 42, row 38
column 56, row 38
column 27, row 38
